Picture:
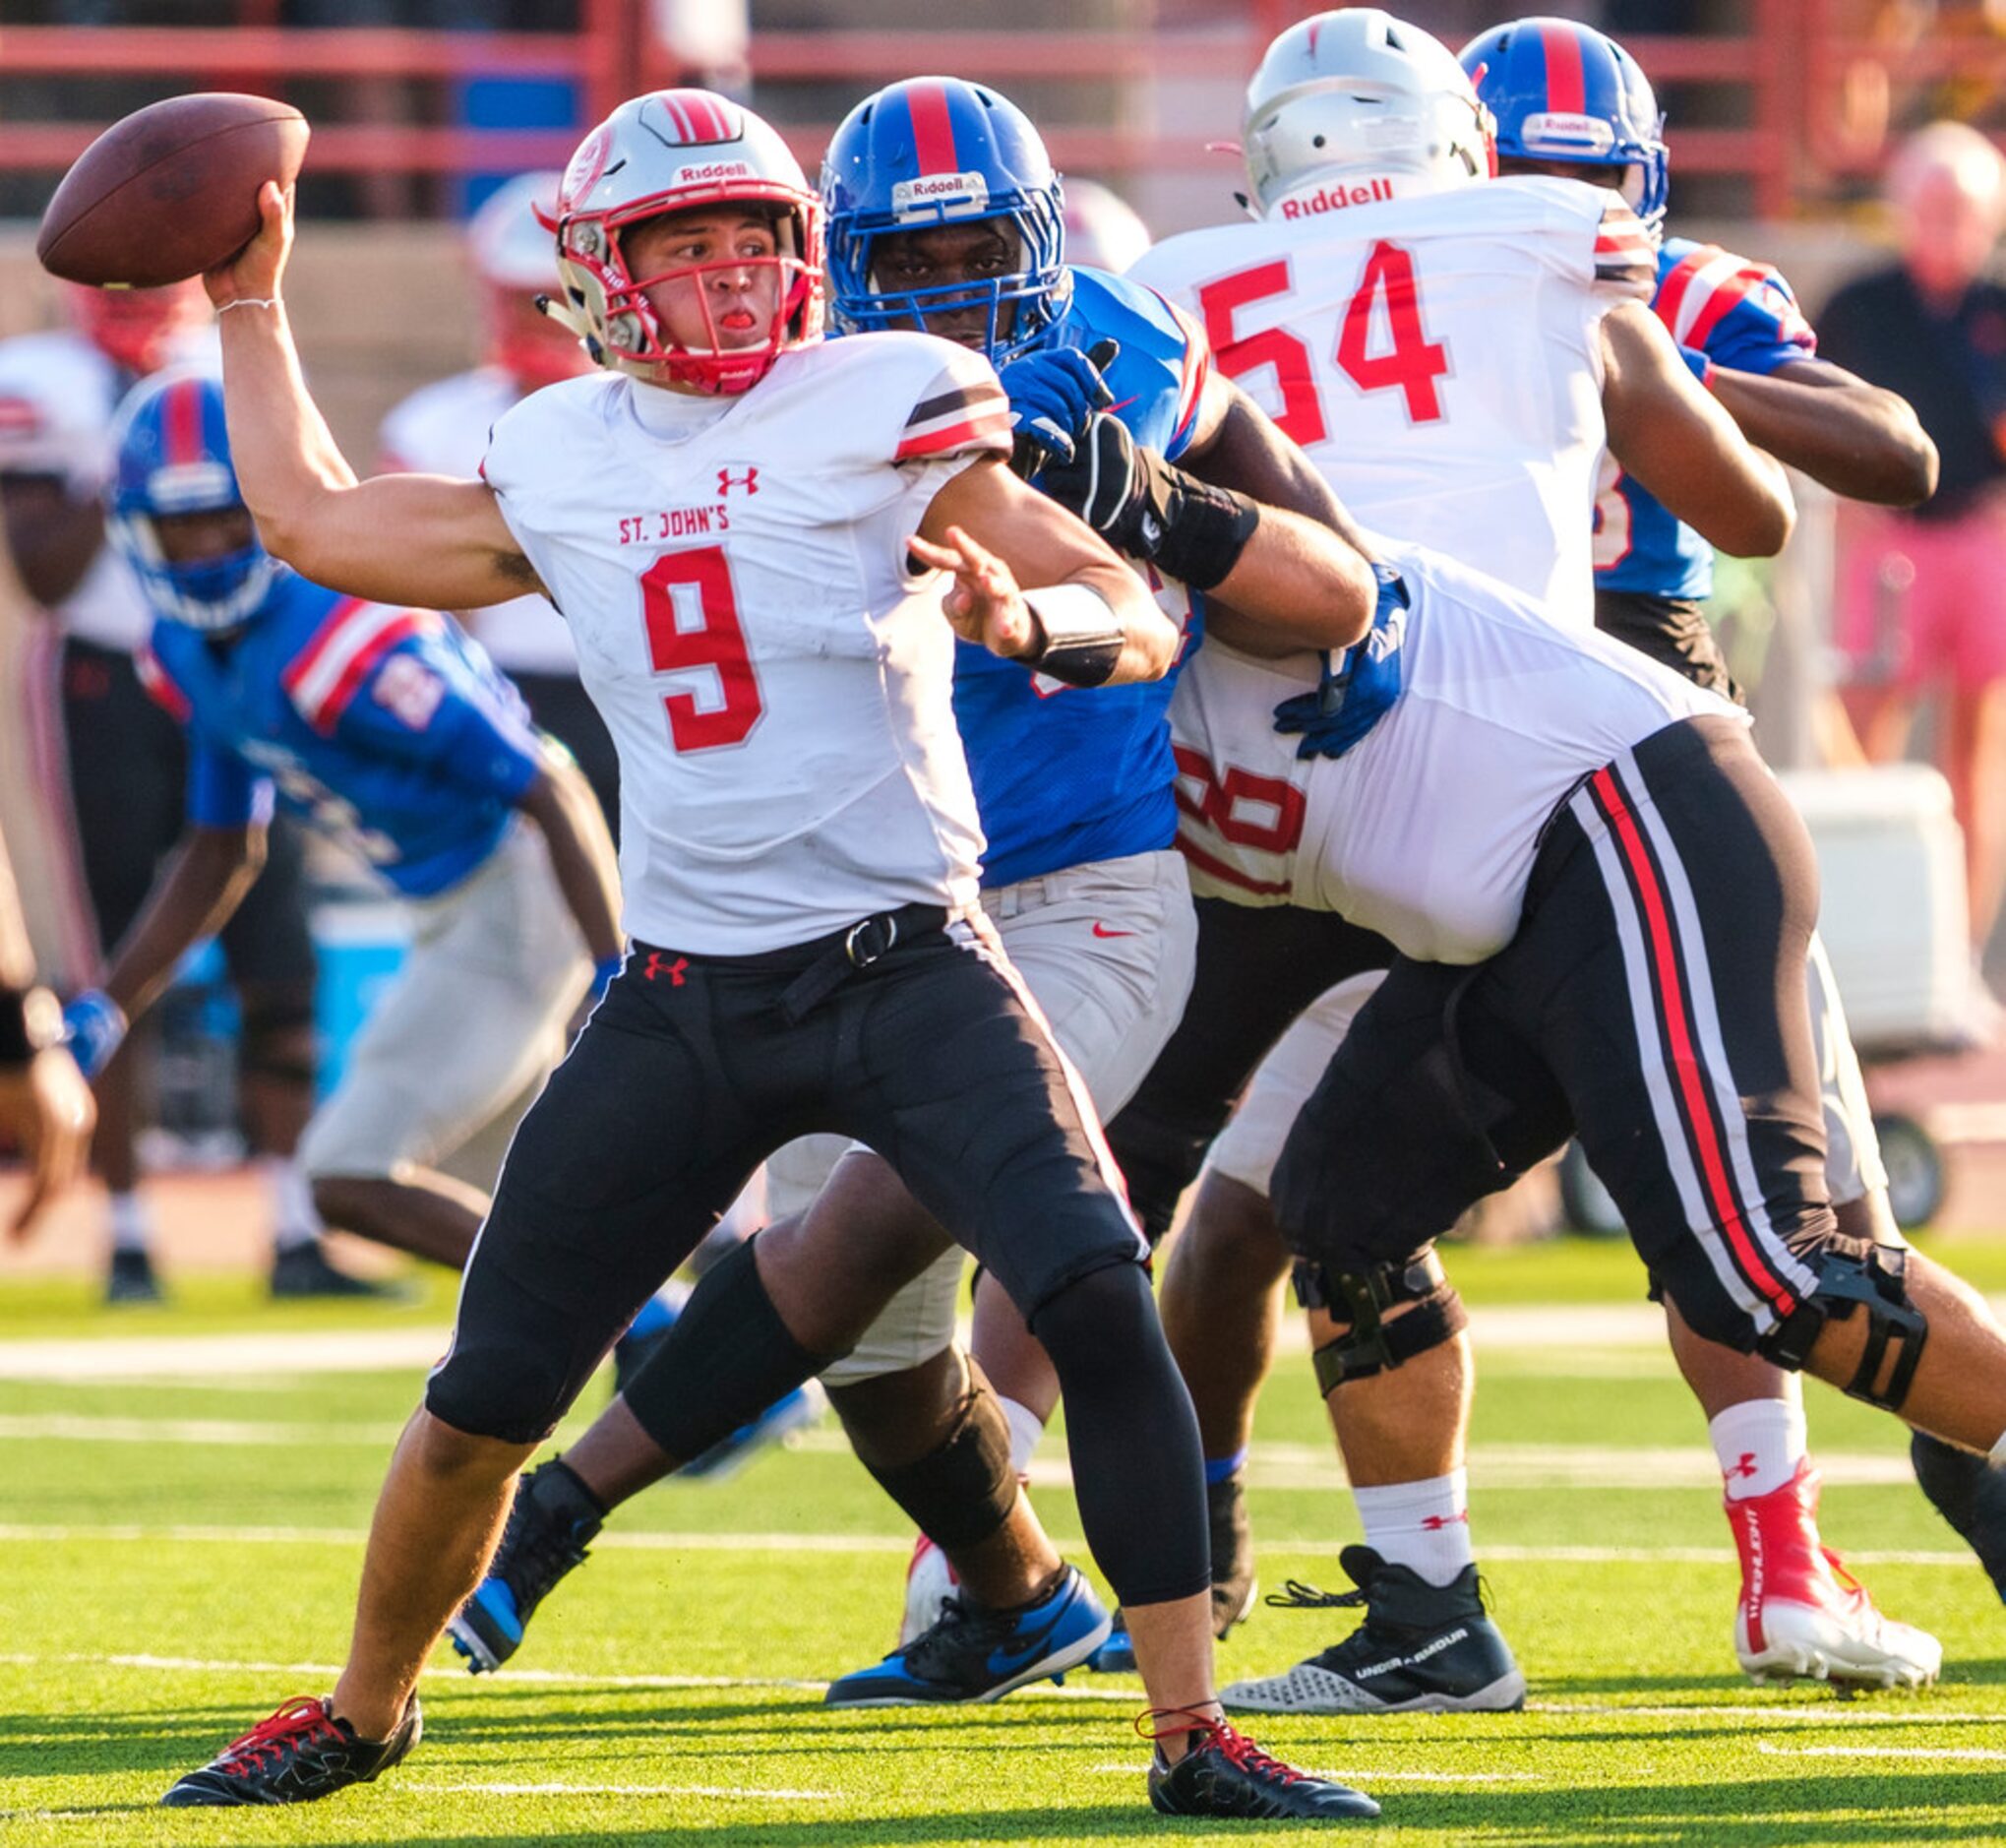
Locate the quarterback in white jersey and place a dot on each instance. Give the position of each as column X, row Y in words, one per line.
column 761, row 543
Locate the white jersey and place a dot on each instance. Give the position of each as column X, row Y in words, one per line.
column 1437, row 357
column 777, row 680
column 1426, row 830
column 57, row 396
column 443, row 429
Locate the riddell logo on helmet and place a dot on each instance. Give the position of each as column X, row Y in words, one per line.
column 1560, row 132
column 951, row 193
column 1337, row 197
column 715, row 171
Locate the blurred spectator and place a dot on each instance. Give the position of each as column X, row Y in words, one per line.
column 126, row 760
column 443, row 429
column 1922, row 594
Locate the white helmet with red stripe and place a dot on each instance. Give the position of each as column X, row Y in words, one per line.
column 512, row 240
column 673, row 151
column 1367, row 104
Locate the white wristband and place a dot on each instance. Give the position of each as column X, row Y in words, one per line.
column 1083, row 637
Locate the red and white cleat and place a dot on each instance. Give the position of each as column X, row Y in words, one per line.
column 1802, row 1613
column 930, row 1581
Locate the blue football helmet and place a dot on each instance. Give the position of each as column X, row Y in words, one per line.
column 936, row 150
column 172, row 456
column 1564, row 91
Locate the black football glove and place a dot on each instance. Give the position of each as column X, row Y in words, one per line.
column 1149, row 509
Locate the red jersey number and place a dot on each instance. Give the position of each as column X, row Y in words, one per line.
column 1389, row 290
column 719, row 644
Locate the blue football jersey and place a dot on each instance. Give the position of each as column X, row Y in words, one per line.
column 386, row 727
column 1742, row 315
column 1066, row 774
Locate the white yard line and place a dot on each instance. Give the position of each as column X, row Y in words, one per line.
column 744, row 1794
column 1976, row 1753
column 42, row 1534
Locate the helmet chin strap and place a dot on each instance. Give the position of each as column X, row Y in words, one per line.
column 564, row 315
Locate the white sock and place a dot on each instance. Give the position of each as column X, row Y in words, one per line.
column 1026, row 1428
column 1759, row 1442
column 1422, row 1525
column 132, row 1225
column 294, row 1222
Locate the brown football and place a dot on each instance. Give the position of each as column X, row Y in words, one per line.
column 170, row 191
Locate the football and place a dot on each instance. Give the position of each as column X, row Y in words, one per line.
column 170, row 191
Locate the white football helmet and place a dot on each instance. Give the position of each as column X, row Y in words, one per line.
column 1103, row 231
column 672, row 150
column 1365, row 103
column 512, row 241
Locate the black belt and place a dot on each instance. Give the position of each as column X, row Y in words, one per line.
column 869, row 940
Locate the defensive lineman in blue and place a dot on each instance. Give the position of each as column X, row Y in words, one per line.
column 390, row 730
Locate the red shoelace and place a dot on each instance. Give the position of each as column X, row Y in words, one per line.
column 306, row 1714
column 1232, row 1745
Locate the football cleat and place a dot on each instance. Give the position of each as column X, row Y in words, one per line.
column 131, row 1279
column 930, row 1582
column 301, row 1755
column 800, row 1409
column 644, row 1333
column 307, row 1270
column 1225, row 1773
column 974, row 1655
column 551, row 1522
column 1970, row 1494
column 1801, row 1613
column 1422, row 1649
column 1115, row 1656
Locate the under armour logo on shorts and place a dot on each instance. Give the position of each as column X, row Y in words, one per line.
column 659, row 964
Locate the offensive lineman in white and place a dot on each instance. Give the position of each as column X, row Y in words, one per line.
column 747, row 559
column 1323, row 76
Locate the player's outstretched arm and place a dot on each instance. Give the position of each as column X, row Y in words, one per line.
column 203, row 883
column 425, row 540
column 1665, row 430
column 1854, row 438
column 581, row 853
column 1000, row 540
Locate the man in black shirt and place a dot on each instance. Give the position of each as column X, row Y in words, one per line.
column 1922, row 593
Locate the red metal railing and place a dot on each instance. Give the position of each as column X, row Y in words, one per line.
column 1789, row 64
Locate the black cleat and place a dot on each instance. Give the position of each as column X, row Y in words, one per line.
column 301, row 1755
column 131, row 1279
column 1233, row 1585
column 553, row 1519
column 1422, row 1649
column 307, row 1270
column 1970, row 1494
column 1225, row 1773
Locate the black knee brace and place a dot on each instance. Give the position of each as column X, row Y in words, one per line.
column 1371, row 1344
column 961, row 1493
column 1878, row 1284
column 727, row 1357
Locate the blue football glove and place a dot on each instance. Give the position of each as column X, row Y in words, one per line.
column 1361, row 689
column 603, row 972
column 93, row 1024
column 1053, row 391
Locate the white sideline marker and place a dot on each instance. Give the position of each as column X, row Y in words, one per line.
column 742, row 1794
column 1977, row 1753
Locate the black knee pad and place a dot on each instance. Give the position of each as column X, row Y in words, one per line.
column 1372, row 1344
column 1875, row 1280
column 961, row 1493
column 727, row 1357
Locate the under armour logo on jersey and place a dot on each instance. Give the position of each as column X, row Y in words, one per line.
column 659, row 964
column 1745, row 1468
column 726, row 480
column 1435, row 1523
